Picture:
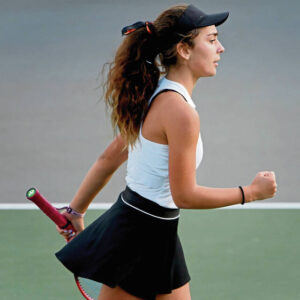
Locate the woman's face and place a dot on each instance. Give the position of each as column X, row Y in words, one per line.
column 206, row 53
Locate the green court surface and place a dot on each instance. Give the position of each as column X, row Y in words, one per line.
column 231, row 254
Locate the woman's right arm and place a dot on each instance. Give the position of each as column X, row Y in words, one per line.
column 182, row 138
column 99, row 174
column 96, row 178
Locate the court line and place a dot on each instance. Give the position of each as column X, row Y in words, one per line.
column 95, row 206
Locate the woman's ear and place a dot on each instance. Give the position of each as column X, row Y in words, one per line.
column 183, row 50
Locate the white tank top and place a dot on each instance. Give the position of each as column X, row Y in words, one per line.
column 148, row 162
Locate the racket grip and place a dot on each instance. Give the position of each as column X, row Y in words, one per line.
column 39, row 200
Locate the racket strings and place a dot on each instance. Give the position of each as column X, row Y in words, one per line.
column 89, row 288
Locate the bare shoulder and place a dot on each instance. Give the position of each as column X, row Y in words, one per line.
column 177, row 115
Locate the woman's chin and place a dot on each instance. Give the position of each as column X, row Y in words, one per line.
column 210, row 74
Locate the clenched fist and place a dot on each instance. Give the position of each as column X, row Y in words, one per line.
column 264, row 185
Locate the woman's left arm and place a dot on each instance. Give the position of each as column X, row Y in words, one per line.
column 99, row 174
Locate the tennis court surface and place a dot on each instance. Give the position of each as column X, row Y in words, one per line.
column 231, row 254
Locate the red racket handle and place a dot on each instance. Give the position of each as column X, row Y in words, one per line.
column 38, row 199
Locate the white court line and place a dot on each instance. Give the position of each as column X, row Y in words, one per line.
column 261, row 205
column 94, row 206
column 31, row 206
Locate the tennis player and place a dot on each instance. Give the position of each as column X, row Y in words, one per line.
column 133, row 248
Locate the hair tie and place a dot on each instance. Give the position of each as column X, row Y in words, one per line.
column 147, row 27
column 131, row 28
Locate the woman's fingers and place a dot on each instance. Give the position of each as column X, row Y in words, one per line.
column 67, row 234
column 77, row 223
column 264, row 185
column 60, row 231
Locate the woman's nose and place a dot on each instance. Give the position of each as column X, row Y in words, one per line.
column 221, row 49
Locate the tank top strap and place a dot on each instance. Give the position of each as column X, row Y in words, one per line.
column 165, row 85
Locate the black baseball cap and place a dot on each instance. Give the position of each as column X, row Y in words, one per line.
column 193, row 18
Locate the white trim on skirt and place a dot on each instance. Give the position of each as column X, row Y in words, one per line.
column 173, row 218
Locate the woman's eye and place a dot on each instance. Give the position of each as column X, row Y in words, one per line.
column 212, row 41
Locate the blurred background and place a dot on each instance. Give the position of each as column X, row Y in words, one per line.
column 53, row 122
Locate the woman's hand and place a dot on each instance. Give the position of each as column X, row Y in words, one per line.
column 78, row 224
column 264, row 185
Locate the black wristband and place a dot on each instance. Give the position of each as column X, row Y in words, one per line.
column 243, row 201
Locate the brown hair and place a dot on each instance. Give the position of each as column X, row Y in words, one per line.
column 133, row 75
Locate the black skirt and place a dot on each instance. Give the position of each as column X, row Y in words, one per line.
column 133, row 245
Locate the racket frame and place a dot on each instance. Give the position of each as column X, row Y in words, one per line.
column 60, row 220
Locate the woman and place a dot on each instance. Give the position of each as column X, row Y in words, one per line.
column 133, row 248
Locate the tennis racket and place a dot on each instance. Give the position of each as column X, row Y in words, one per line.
column 89, row 289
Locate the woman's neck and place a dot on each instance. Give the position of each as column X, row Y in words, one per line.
column 183, row 77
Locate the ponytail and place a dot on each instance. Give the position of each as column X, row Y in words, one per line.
column 132, row 79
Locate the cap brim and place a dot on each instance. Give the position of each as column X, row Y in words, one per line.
column 213, row 19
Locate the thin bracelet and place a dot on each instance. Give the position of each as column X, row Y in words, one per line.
column 72, row 211
column 243, row 201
